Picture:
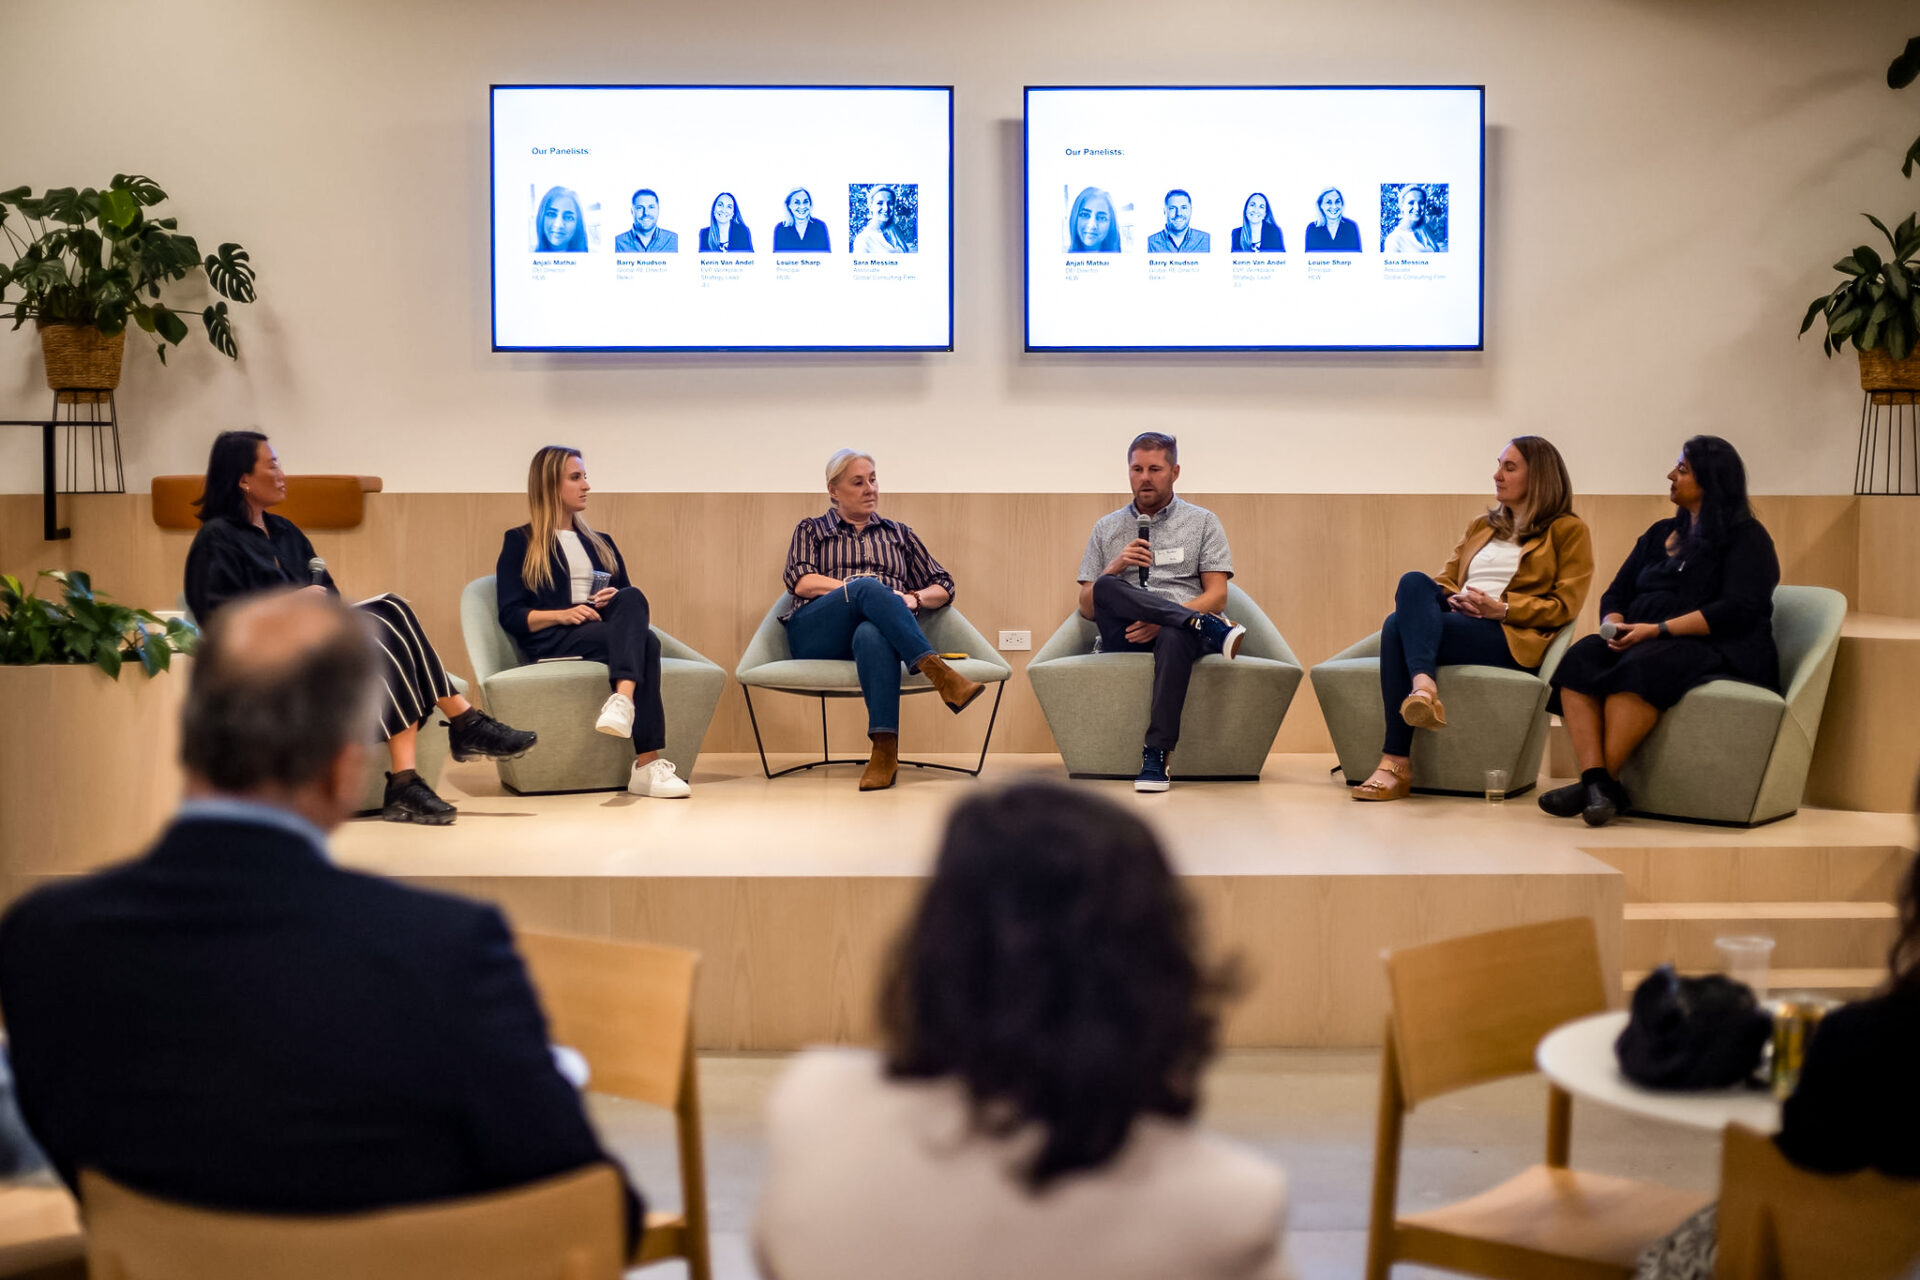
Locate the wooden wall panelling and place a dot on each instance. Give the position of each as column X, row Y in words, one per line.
column 1889, row 556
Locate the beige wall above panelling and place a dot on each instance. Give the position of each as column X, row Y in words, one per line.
column 1667, row 184
column 1323, row 566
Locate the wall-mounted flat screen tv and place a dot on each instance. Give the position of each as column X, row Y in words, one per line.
column 1255, row 219
column 722, row 218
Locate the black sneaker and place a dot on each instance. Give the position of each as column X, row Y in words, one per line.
column 413, row 801
column 484, row 738
column 1153, row 770
column 1565, row 802
column 1219, row 634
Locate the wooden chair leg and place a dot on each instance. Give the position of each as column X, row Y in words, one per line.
column 1386, row 1165
column 693, row 1169
column 1559, row 1127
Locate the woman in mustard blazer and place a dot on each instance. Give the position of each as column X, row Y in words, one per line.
column 1519, row 575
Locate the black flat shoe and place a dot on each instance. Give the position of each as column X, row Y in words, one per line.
column 1564, row 802
column 413, row 801
column 1621, row 800
column 1599, row 809
column 484, row 738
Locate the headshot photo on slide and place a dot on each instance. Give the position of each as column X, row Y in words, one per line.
column 726, row 232
column 559, row 223
column 799, row 231
column 646, row 235
column 1093, row 223
column 883, row 218
column 1413, row 217
column 1258, row 232
column 1179, row 235
column 1333, row 231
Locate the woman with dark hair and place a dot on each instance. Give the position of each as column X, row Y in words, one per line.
column 243, row 548
column 1046, row 1019
column 1517, row 576
column 1091, row 224
column 725, row 232
column 563, row 592
column 558, row 225
column 1258, row 232
column 1692, row 603
column 800, row 231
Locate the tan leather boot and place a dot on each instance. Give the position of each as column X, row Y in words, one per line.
column 954, row 689
column 883, row 763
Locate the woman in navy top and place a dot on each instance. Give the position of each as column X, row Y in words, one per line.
column 725, row 232
column 1332, row 233
column 1692, row 603
column 801, row 232
column 1258, row 232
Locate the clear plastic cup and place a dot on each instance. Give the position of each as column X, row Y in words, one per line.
column 1496, row 786
column 1745, row 957
column 601, row 581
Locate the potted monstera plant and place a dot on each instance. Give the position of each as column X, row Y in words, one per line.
column 88, row 263
column 1876, row 306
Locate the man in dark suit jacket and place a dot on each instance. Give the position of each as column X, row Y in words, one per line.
column 233, row 1021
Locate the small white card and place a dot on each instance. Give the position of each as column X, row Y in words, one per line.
column 1171, row 555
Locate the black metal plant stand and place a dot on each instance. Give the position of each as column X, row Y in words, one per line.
column 88, row 416
column 826, row 756
column 1888, row 459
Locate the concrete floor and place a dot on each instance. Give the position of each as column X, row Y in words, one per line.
column 1312, row 1110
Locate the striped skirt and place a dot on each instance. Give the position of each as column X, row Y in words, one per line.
column 412, row 674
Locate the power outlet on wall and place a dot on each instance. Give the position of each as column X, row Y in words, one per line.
column 1015, row 640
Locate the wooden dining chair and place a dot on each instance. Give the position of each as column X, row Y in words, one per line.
column 1780, row 1222
column 627, row 1008
column 566, row 1228
column 1470, row 1010
column 40, row 1235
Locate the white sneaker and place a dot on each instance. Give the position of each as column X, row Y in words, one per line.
column 659, row 780
column 616, row 717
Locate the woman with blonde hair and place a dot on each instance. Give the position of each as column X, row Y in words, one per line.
column 857, row 579
column 1518, row 575
column 564, row 593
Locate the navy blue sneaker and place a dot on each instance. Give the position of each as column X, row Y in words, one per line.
column 1153, row 770
column 1219, row 634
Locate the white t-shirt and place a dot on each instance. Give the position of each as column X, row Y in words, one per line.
column 1493, row 568
column 579, row 567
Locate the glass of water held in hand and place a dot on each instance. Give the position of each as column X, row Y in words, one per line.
column 601, row 581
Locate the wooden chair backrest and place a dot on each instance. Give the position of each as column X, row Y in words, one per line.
column 313, row 502
column 1781, row 1222
column 626, row 1007
column 566, row 1228
column 1473, row 1009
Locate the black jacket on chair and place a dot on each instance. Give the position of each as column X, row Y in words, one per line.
column 234, row 1022
column 517, row 599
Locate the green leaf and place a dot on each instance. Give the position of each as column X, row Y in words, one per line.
column 107, row 658
column 1881, row 310
column 119, row 208
column 1883, row 229
column 143, row 316
column 172, row 328
column 1912, row 158
column 1898, row 342
column 1851, row 266
column 220, row 331
column 143, row 189
column 1897, row 280
column 1814, row 309
column 1867, row 258
column 1868, row 338
column 229, row 273
column 1845, row 323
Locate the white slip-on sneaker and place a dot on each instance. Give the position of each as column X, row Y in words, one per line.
column 658, row 780
column 616, row 717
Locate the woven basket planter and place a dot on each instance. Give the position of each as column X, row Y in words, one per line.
column 1881, row 374
column 81, row 358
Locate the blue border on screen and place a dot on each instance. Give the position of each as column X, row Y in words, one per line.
column 1026, row 219
column 493, row 303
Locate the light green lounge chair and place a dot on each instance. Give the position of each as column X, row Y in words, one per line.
column 1096, row 704
column 1737, row 754
column 561, row 700
column 1496, row 719
column 769, row 664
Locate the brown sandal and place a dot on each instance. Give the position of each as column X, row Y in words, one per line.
column 1424, row 710
column 1402, row 784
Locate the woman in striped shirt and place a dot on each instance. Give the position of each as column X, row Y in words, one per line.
column 857, row 580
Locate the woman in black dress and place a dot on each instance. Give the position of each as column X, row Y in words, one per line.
column 242, row 549
column 1693, row 603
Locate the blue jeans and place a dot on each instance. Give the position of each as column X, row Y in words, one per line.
column 1422, row 634
column 864, row 621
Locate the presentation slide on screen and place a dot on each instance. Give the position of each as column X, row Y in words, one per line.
column 650, row 217
column 1254, row 218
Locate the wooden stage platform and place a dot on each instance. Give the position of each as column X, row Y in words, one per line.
column 792, row 890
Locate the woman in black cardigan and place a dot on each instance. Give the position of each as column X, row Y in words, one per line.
column 243, row 548
column 552, row 605
column 1692, row 603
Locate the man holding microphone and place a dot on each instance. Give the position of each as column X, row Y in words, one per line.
column 1154, row 578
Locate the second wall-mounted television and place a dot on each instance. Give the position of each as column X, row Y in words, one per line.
column 1255, row 219
column 722, row 218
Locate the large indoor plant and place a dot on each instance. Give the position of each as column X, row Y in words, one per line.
column 87, row 263
column 1876, row 306
column 84, row 627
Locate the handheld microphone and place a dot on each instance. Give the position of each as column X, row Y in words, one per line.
column 1143, row 529
column 1610, row 629
column 317, row 570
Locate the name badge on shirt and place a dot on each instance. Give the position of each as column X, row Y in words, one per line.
column 1170, row 555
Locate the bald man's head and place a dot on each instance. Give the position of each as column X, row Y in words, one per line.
column 282, row 684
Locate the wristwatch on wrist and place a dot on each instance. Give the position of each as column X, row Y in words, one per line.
column 1664, row 631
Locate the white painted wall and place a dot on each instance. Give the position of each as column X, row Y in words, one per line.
column 1668, row 180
